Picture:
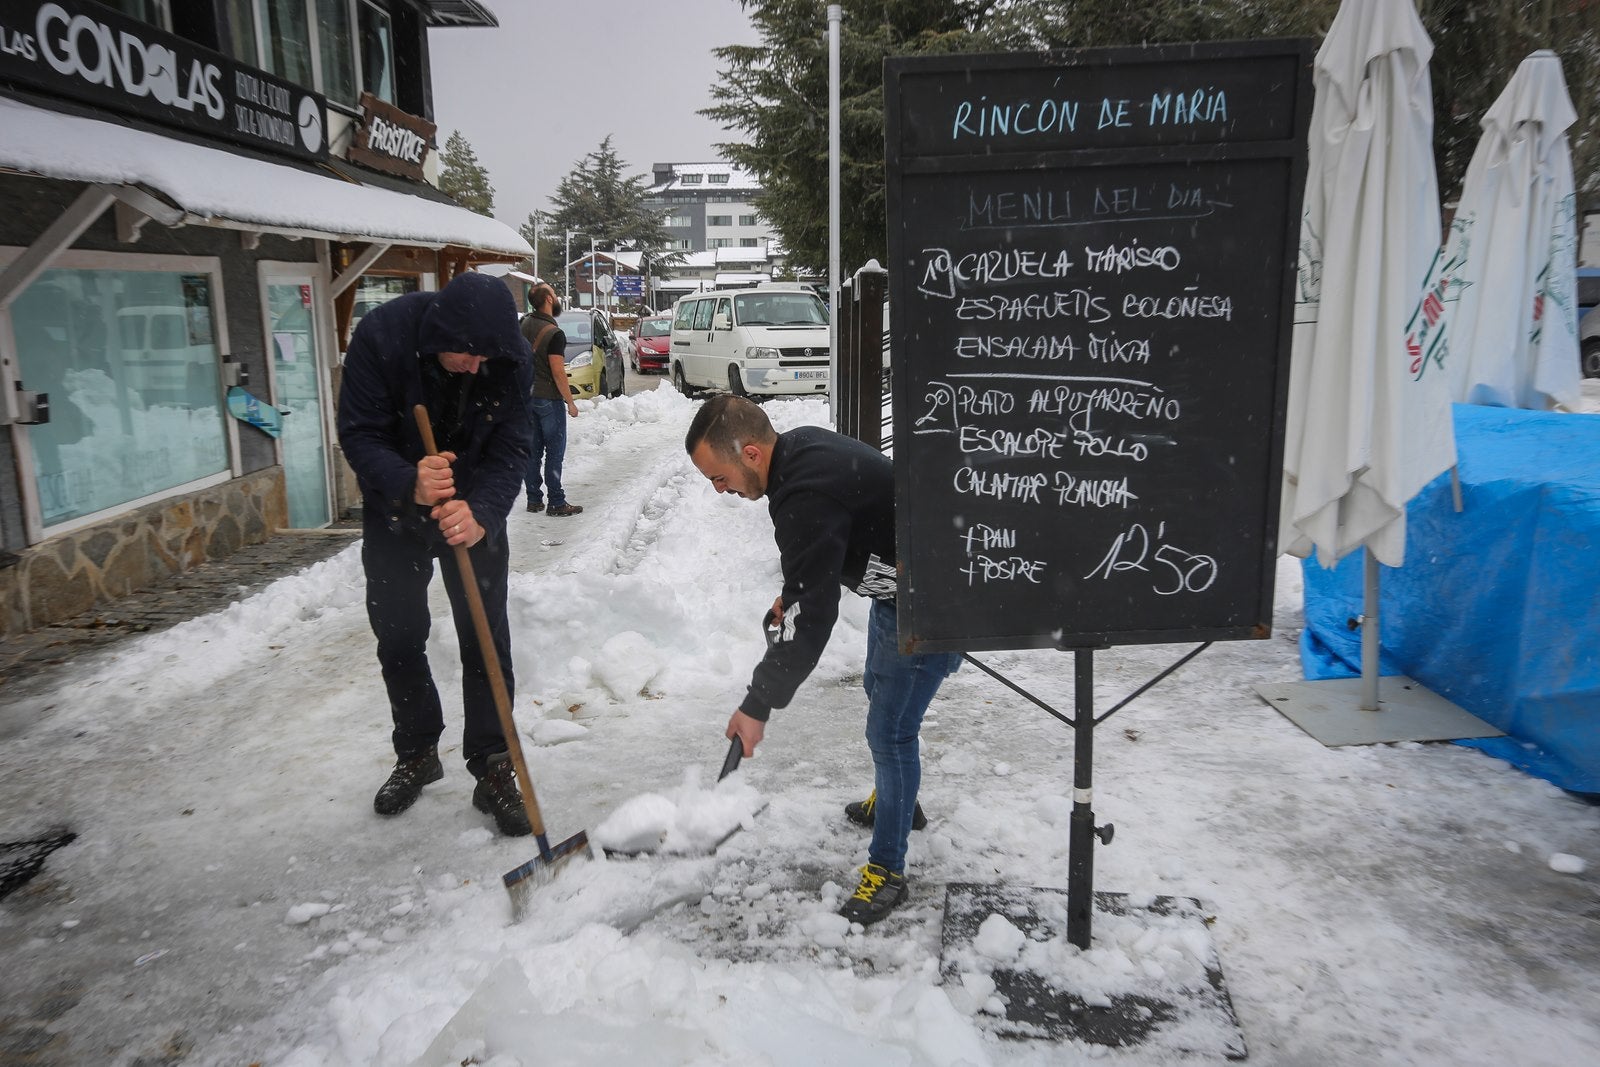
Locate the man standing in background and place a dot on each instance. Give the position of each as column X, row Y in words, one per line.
column 551, row 403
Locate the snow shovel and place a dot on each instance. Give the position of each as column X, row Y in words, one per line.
column 543, row 867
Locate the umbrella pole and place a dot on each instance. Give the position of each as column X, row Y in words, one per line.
column 1369, row 634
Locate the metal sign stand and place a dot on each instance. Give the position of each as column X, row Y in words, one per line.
column 1034, row 1007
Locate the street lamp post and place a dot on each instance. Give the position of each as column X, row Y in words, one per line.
column 567, row 259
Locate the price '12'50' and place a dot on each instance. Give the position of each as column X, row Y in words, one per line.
column 1176, row 570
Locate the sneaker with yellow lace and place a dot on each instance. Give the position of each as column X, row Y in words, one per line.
column 879, row 893
column 865, row 812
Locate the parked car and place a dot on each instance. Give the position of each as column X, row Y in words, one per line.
column 652, row 341
column 1589, row 339
column 1588, row 289
column 1589, row 320
column 771, row 340
column 594, row 366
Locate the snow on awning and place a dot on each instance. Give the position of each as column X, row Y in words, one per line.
column 726, row 279
column 221, row 188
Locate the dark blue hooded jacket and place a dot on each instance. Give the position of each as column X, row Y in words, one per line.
column 385, row 376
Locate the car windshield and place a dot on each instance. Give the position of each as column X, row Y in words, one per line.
column 780, row 309
column 655, row 327
column 577, row 329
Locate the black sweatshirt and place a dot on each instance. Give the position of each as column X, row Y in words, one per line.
column 831, row 499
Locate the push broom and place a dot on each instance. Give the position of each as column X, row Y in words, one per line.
column 543, row 867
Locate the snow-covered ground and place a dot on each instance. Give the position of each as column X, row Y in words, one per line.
column 232, row 899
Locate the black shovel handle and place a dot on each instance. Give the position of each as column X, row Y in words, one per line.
column 731, row 763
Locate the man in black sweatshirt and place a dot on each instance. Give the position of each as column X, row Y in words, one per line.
column 831, row 499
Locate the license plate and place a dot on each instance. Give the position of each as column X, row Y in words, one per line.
column 802, row 375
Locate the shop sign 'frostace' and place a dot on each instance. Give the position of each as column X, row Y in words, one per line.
column 85, row 51
column 390, row 139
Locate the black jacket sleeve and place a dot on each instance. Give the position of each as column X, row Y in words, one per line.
column 812, row 531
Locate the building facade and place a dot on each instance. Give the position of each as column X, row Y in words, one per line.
column 725, row 243
column 707, row 205
column 198, row 200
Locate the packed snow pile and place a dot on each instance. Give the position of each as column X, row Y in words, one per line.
column 690, row 820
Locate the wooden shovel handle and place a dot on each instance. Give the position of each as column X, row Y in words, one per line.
column 491, row 657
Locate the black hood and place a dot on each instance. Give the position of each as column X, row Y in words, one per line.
column 474, row 314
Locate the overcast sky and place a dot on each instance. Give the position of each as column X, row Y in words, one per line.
column 636, row 69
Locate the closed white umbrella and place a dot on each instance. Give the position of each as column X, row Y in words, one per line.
column 1369, row 406
column 1369, row 424
column 1511, row 325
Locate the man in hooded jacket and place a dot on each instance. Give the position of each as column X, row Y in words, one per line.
column 458, row 352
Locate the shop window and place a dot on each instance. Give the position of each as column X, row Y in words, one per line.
column 129, row 359
column 334, row 47
column 155, row 12
column 308, row 42
column 242, row 36
column 374, row 290
column 286, row 37
column 377, row 52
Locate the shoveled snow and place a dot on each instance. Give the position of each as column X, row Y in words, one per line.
column 235, row 897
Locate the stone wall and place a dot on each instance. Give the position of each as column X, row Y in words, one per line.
column 68, row 575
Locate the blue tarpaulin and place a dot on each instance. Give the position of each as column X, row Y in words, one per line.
column 1496, row 608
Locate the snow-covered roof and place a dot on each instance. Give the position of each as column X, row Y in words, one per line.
column 214, row 186
column 711, row 177
column 742, row 255
column 699, row 259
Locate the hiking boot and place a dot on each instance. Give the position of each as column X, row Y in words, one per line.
column 862, row 811
column 879, row 893
column 535, row 506
column 497, row 795
column 562, row 509
column 406, row 781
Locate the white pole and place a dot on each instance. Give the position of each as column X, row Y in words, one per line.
column 567, row 260
column 835, row 14
column 594, row 290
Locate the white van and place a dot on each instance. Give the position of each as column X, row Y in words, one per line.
column 771, row 340
column 159, row 359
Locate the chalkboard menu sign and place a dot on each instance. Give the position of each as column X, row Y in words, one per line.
column 1092, row 260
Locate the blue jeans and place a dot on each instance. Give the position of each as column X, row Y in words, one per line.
column 549, row 448
column 899, row 689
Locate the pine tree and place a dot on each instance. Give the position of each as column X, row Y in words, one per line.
column 775, row 94
column 598, row 202
column 463, row 177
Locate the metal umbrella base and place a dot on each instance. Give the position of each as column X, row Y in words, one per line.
column 1369, row 710
column 1330, row 711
